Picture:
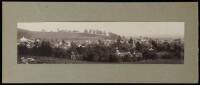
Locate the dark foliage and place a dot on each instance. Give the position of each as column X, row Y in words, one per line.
column 103, row 53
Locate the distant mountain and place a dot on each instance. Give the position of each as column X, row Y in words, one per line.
column 59, row 35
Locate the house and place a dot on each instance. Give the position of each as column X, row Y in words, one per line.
column 23, row 39
column 123, row 54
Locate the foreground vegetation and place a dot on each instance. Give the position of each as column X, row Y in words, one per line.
column 127, row 51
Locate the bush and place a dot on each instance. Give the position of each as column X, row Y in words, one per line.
column 113, row 58
column 167, row 55
column 126, row 58
column 45, row 49
column 59, row 52
column 149, row 55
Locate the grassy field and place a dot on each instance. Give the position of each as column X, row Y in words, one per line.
column 54, row 60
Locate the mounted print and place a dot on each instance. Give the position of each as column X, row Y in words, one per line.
column 100, row 43
column 84, row 42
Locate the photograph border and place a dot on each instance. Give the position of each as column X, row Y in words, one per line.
column 14, row 12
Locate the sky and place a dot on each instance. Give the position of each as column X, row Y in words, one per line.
column 150, row 29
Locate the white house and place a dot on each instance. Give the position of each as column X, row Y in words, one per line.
column 23, row 39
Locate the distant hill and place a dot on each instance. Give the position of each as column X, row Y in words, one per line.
column 25, row 33
column 58, row 35
column 73, row 35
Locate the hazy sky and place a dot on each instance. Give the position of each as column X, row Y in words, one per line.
column 168, row 29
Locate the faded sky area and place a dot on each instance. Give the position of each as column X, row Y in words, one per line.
column 150, row 29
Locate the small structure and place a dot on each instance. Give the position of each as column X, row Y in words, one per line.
column 123, row 54
column 23, row 39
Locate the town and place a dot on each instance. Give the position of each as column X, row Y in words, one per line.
column 118, row 50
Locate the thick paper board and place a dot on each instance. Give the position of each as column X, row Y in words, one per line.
column 14, row 12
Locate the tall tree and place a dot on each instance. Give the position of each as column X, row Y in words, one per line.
column 90, row 31
column 130, row 41
column 86, row 31
column 93, row 31
column 119, row 41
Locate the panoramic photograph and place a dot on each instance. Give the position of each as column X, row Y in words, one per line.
column 100, row 43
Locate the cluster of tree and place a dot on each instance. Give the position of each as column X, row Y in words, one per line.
column 100, row 32
column 74, row 31
column 113, row 36
column 93, row 31
column 102, row 53
column 39, row 49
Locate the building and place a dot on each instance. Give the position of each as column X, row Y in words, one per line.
column 23, row 39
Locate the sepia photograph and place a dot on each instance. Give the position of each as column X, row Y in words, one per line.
column 84, row 42
column 100, row 43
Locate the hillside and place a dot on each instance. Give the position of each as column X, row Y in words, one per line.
column 58, row 35
column 25, row 33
